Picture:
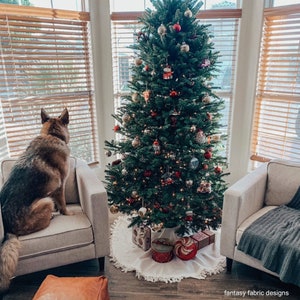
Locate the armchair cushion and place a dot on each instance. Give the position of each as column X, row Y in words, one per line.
column 65, row 233
column 278, row 192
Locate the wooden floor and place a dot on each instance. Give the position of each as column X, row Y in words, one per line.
column 127, row 286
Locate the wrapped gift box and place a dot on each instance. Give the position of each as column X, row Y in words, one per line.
column 162, row 250
column 201, row 239
column 141, row 236
column 210, row 235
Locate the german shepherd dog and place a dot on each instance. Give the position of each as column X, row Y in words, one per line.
column 36, row 182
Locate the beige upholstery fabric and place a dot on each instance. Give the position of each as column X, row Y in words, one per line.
column 68, row 239
column 255, row 194
column 283, row 182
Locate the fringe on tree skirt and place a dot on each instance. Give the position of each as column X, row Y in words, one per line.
column 129, row 257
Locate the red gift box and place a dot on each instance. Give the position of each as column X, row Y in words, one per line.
column 200, row 239
column 210, row 235
column 162, row 250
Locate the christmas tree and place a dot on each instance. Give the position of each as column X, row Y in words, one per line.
column 168, row 170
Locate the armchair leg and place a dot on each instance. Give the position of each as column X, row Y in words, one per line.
column 229, row 262
column 101, row 261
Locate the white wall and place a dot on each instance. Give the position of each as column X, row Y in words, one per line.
column 247, row 61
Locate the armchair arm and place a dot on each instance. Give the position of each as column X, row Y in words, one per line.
column 93, row 199
column 241, row 200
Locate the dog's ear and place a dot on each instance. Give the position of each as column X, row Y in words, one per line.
column 45, row 117
column 64, row 116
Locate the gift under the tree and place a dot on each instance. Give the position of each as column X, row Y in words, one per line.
column 203, row 238
column 162, row 250
column 141, row 236
column 210, row 235
column 200, row 239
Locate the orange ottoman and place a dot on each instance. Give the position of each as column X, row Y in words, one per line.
column 73, row 288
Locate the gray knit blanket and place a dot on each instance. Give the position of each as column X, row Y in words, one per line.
column 274, row 239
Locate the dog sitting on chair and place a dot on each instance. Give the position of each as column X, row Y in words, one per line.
column 36, row 182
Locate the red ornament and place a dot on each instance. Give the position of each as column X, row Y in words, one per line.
column 185, row 248
column 173, row 94
column 177, row 174
column 153, row 113
column 205, row 166
column 117, row 128
column 218, row 169
column 208, row 154
column 147, row 173
column 177, row 27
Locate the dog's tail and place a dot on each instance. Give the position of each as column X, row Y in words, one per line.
column 9, row 255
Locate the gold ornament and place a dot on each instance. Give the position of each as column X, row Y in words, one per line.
column 114, row 209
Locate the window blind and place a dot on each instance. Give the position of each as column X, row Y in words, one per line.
column 224, row 28
column 45, row 63
column 276, row 127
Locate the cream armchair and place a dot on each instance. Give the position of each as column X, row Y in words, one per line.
column 68, row 239
column 267, row 187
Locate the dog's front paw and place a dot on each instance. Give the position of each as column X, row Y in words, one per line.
column 66, row 212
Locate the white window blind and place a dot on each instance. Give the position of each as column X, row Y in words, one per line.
column 45, row 62
column 225, row 25
column 276, row 128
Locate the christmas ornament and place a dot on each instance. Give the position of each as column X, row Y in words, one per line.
column 117, row 128
column 146, row 95
column 205, row 166
column 189, row 183
column 193, row 128
column 134, row 97
column 147, row 173
column 205, row 63
column 188, row 13
column 168, row 74
column 156, row 147
column 177, row 174
column 194, row 163
column 173, row 94
column 114, row 209
column 138, row 61
column 208, row 154
column 173, row 121
column 153, row 113
column 116, row 162
column 162, row 250
column 206, row 99
column 218, row 169
column 157, row 227
column 209, row 116
column 189, row 215
column 177, row 27
column 185, row 248
column 134, row 194
column 162, row 30
column 146, row 68
column 142, row 211
column 108, row 153
column 136, row 142
column 124, row 172
column 126, row 118
column 167, row 179
column 184, row 47
column 200, row 137
column 204, row 187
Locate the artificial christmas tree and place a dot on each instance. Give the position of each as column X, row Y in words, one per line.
column 168, row 167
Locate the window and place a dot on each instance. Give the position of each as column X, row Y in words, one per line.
column 45, row 62
column 276, row 127
column 224, row 20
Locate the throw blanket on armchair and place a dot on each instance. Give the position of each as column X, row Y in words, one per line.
column 274, row 239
